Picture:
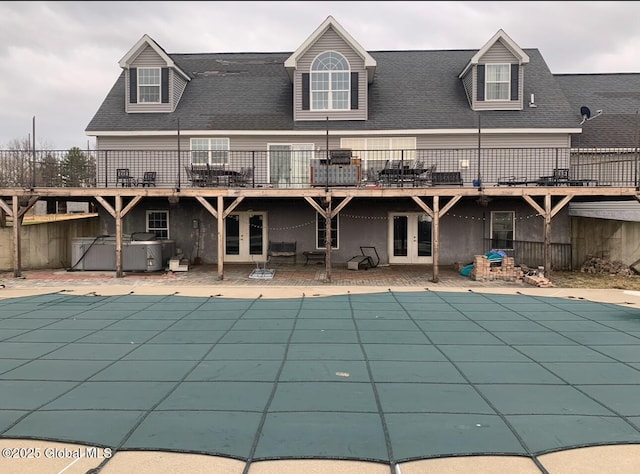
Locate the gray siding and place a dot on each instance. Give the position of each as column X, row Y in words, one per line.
column 499, row 53
column 177, row 86
column 467, row 83
column 493, row 141
column 147, row 58
column 236, row 143
column 330, row 41
column 257, row 143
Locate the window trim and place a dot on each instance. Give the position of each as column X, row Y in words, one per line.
column 140, row 86
column 334, row 242
column 487, row 82
column 211, row 153
column 331, row 90
column 154, row 229
column 513, row 228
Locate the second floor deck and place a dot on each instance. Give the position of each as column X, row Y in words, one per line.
column 424, row 168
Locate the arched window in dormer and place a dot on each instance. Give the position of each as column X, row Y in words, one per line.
column 330, row 82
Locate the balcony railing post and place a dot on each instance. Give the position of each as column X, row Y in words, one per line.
column 106, row 170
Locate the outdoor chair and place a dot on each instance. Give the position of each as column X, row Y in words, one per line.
column 197, row 176
column 123, row 178
column 149, row 179
column 426, row 177
column 246, row 176
column 372, row 175
column 561, row 173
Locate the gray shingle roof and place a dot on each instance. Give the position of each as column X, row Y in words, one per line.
column 411, row 90
column 617, row 95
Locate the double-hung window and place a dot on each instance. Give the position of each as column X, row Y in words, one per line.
column 211, row 151
column 321, row 232
column 149, row 85
column 158, row 222
column 330, row 82
column 502, row 229
column 497, row 81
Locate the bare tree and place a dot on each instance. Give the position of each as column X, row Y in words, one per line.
column 15, row 164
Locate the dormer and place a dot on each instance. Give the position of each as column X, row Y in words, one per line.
column 154, row 83
column 494, row 77
column 330, row 72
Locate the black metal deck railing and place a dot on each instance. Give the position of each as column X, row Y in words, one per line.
column 314, row 168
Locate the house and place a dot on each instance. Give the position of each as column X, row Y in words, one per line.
column 432, row 157
column 605, row 227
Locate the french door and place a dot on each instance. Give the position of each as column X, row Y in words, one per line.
column 410, row 238
column 245, row 237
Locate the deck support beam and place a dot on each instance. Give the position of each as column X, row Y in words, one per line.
column 548, row 213
column 119, row 214
column 221, row 238
column 17, row 224
column 17, row 212
column 435, row 215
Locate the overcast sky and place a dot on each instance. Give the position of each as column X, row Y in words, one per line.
column 58, row 60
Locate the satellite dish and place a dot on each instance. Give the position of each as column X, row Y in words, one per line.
column 585, row 112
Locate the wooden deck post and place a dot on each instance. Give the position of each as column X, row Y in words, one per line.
column 221, row 218
column 436, row 238
column 118, row 216
column 547, row 234
column 17, row 220
column 327, row 220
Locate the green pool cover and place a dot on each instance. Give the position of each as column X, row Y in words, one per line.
column 386, row 377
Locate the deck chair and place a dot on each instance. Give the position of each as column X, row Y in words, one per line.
column 369, row 258
column 148, row 179
column 561, row 174
column 246, row 176
column 123, row 178
column 426, row 177
column 195, row 175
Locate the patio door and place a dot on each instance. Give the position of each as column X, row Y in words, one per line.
column 410, row 237
column 290, row 165
column 245, row 237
